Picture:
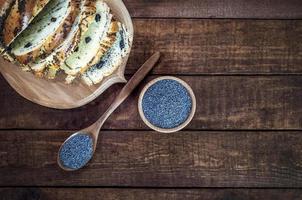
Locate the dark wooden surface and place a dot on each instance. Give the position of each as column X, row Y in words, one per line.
column 255, row 9
column 150, row 159
column 245, row 141
column 219, row 46
column 223, row 102
column 147, row 194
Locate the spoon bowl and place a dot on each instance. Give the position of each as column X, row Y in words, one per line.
column 71, row 138
column 71, row 148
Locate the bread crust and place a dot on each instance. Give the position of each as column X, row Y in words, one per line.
column 55, row 39
column 52, row 63
column 5, row 6
column 90, row 42
column 21, row 14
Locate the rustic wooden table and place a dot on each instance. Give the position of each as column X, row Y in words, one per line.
column 244, row 61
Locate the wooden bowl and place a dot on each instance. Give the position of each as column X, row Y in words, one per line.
column 162, row 130
column 55, row 93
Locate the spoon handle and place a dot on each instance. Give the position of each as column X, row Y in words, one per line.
column 129, row 87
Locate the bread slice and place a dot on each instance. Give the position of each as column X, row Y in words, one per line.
column 105, row 45
column 112, row 59
column 90, row 42
column 54, row 40
column 52, row 63
column 19, row 17
column 42, row 27
column 5, row 6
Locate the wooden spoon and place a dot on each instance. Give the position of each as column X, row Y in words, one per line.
column 94, row 130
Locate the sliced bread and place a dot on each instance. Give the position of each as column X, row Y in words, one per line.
column 19, row 17
column 5, row 7
column 90, row 42
column 54, row 40
column 105, row 45
column 52, row 63
column 112, row 59
column 42, row 27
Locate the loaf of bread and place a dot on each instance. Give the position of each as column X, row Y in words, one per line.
column 80, row 39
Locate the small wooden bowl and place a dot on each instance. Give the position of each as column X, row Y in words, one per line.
column 57, row 94
column 162, row 130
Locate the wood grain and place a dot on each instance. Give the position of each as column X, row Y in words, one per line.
column 223, row 102
column 246, row 75
column 256, row 9
column 202, row 46
column 147, row 194
column 150, row 159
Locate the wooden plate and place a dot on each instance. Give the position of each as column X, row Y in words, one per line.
column 56, row 94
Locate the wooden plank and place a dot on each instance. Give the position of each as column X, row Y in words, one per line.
column 223, row 102
column 195, row 47
column 150, row 159
column 147, row 194
column 256, row 9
